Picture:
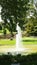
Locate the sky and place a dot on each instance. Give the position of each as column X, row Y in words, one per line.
column 1, row 8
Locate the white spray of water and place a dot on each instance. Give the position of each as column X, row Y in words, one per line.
column 18, row 37
column 19, row 46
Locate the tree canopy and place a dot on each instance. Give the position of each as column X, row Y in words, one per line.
column 13, row 10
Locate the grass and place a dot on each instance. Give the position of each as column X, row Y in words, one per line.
column 7, row 42
column 25, row 40
column 28, row 42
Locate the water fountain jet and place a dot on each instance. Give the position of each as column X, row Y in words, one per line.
column 19, row 46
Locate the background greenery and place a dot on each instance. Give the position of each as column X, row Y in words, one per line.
column 9, row 59
column 23, row 12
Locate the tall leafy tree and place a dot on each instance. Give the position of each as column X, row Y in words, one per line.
column 14, row 11
column 31, row 25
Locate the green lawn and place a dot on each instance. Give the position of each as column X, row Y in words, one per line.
column 7, row 42
column 25, row 40
column 29, row 40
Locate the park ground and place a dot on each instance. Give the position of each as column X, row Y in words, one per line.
column 28, row 42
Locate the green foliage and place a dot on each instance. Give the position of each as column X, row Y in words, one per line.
column 31, row 22
column 10, row 59
column 14, row 11
column 4, row 32
column 31, row 26
column 0, row 27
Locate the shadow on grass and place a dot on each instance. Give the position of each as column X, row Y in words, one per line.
column 21, row 59
column 29, row 40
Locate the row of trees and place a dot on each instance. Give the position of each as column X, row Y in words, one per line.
column 14, row 11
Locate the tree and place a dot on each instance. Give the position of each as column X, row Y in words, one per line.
column 14, row 11
column 0, row 27
column 31, row 27
column 31, row 20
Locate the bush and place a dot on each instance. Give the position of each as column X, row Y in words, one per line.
column 21, row 59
